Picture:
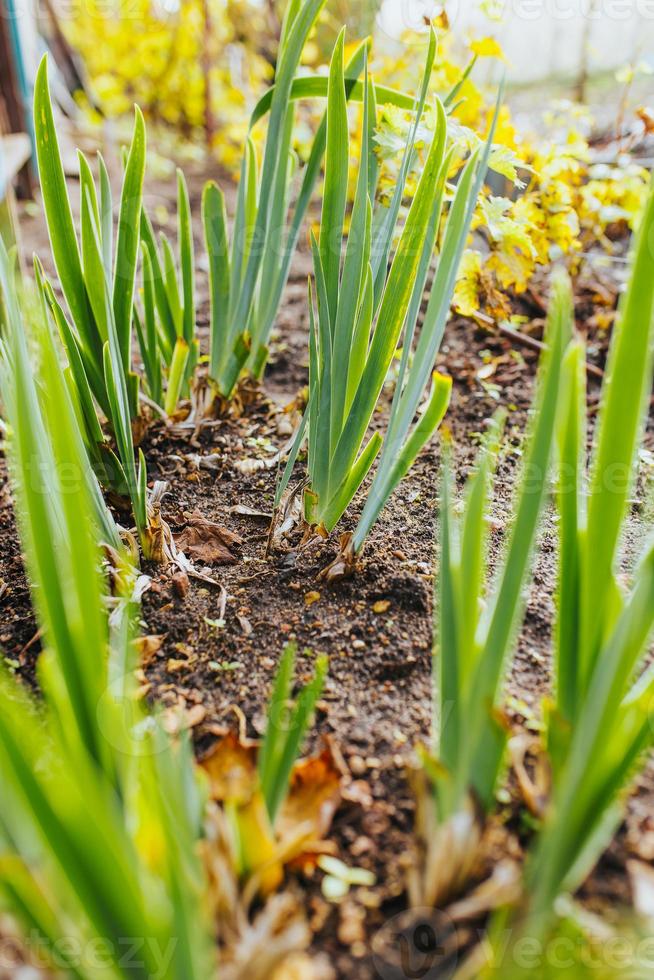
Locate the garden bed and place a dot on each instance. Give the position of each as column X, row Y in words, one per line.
column 376, row 627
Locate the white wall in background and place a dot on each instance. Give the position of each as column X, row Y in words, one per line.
column 543, row 38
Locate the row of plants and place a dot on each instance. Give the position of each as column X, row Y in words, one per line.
column 152, row 288
column 89, row 754
column 141, row 290
column 101, row 812
column 141, row 788
column 108, row 828
column 111, row 761
column 597, row 723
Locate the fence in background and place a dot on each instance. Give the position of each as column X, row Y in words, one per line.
column 543, row 38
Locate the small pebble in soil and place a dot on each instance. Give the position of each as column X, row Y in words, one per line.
column 181, row 584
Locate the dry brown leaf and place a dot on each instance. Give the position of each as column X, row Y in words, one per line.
column 646, row 116
column 312, row 801
column 245, row 511
column 205, row 541
column 231, row 765
column 245, row 624
column 195, row 715
column 148, row 647
column 156, row 533
column 534, row 779
column 304, row 819
column 344, row 565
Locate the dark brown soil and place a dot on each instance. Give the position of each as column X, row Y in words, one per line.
column 377, row 700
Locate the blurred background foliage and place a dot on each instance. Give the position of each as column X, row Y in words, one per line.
column 192, row 64
column 199, row 66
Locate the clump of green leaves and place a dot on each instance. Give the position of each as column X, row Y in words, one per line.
column 601, row 720
column 247, row 277
column 247, row 280
column 100, row 813
column 477, row 620
column 54, row 480
column 599, row 723
column 286, row 728
column 166, row 330
column 252, row 781
column 361, row 307
column 476, row 623
column 98, row 285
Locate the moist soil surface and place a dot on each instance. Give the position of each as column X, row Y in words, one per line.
column 375, row 628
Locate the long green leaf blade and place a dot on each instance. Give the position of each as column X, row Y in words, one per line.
column 127, row 241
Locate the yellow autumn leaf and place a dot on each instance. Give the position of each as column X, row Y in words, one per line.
column 488, row 47
column 513, row 269
column 466, row 292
